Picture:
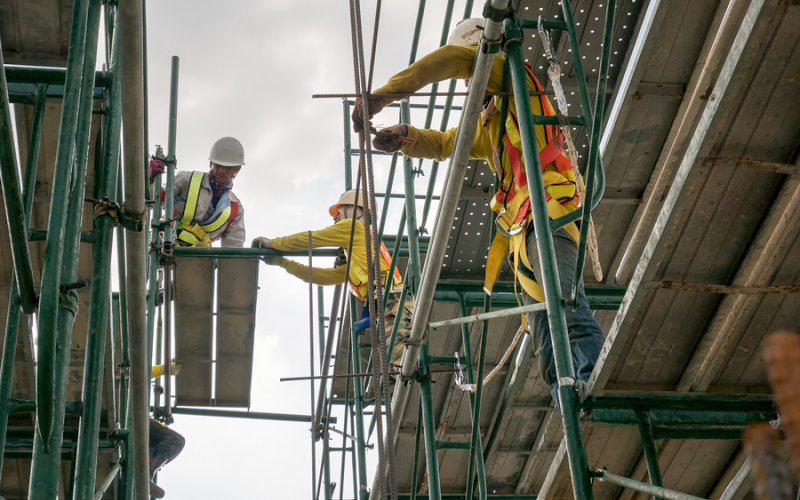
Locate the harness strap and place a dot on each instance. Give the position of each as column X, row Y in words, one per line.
column 193, row 194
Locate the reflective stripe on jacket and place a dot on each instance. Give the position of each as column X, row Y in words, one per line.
column 200, row 221
column 358, row 279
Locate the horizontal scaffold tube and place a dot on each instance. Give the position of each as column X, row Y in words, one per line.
column 489, row 315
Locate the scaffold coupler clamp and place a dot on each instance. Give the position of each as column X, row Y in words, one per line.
column 166, row 254
column 104, row 206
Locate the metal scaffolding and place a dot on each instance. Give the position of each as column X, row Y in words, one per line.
column 132, row 329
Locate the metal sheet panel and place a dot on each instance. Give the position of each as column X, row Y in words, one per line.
column 194, row 308
column 237, row 285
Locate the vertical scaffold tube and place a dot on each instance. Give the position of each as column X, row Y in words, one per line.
column 12, row 199
column 12, row 317
column 429, row 429
column 132, row 64
column 594, row 170
column 45, row 470
column 568, row 396
column 358, row 397
column 54, row 246
column 99, row 300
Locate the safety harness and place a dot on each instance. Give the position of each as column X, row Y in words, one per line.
column 203, row 233
column 358, row 279
column 512, row 201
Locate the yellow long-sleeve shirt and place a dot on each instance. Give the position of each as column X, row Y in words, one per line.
column 337, row 235
column 455, row 61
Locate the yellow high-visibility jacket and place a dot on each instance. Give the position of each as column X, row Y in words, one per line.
column 452, row 61
column 337, row 236
column 232, row 233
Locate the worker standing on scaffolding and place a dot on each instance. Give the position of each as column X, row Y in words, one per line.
column 346, row 213
column 205, row 207
column 497, row 140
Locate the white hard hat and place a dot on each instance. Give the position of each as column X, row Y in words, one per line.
column 347, row 198
column 228, row 152
column 467, row 32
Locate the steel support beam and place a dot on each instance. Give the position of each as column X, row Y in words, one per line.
column 131, row 24
column 568, row 396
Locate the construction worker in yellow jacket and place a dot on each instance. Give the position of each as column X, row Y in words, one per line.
column 511, row 203
column 338, row 236
column 205, row 207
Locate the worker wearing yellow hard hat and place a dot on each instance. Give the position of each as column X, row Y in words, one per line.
column 205, row 206
column 346, row 212
column 497, row 140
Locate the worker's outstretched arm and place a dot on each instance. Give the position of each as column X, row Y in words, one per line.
column 319, row 276
column 437, row 145
column 336, row 236
column 448, row 61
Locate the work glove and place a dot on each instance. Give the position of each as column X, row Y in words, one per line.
column 272, row 260
column 261, row 242
column 156, row 166
column 391, row 139
column 358, row 113
column 174, row 368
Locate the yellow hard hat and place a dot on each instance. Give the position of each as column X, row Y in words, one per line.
column 227, row 152
column 467, row 32
column 347, row 198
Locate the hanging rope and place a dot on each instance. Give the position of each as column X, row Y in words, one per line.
column 554, row 74
column 461, row 380
column 380, row 365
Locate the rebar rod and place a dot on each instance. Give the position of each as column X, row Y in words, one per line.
column 568, row 396
column 131, row 53
column 13, row 204
column 100, row 295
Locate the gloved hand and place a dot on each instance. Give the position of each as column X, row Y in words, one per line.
column 391, row 139
column 155, row 167
column 261, row 242
column 272, row 260
column 174, row 369
column 358, row 113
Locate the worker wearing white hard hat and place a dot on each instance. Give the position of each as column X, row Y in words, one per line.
column 205, row 206
column 346, row 212
column 498, row 140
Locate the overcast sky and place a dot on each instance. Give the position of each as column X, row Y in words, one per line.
column 248, row 69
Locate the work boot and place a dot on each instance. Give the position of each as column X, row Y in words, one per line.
column 156, row 491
